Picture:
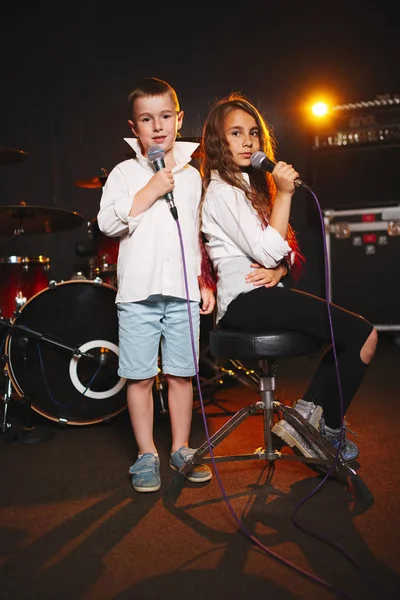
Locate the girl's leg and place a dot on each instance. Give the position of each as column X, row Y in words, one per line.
column 283, row 308
column 324, row 389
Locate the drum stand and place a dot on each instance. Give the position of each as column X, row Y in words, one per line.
column 7, row 394
column 159, row 388
column 30, row 435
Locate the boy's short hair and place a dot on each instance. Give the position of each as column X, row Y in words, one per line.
column 151, row 86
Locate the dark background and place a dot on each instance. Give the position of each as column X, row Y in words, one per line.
column 67, row 69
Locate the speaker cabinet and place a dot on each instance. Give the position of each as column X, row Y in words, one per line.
column 353, row 177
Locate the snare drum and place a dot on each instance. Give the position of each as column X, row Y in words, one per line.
column 63, row 353
column 21, row 277
column 104, row 263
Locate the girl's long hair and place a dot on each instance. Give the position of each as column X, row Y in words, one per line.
column 215, row 155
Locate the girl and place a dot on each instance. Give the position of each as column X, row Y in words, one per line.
column 245, row 216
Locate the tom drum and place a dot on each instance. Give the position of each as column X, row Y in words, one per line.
column 21, row 277
column 104, row 263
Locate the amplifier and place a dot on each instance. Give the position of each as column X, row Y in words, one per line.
column 356, row 155
column 356, row 177
column 360, row 123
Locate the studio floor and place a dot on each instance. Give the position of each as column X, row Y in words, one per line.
column 72, row 527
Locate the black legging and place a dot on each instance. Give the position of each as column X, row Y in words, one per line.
column 285, row 308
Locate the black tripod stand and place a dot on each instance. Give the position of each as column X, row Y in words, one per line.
column 30, row 434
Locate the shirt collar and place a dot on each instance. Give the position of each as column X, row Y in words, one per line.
column 215, row 176
column 182, row 152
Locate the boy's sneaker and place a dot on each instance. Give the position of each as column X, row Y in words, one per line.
column 349, row 450
column 311, row 413
column 146, row 473
column 198, row 474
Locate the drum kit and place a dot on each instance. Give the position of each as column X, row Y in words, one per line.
column 58, row 341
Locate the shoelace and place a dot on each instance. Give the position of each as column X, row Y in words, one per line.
column 347, row 429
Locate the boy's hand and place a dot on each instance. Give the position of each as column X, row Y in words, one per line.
column 207, row 301
column 161, row 183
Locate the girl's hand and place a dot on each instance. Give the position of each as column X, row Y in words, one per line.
column 284, row 176
column 266, row 277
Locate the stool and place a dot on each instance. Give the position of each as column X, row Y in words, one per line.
column 267, row 347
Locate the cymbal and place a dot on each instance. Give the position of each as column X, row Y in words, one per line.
column 32, row 220
column 95, row 182
column 90, row 184
column 10, row 155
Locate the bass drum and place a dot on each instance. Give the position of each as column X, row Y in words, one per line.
column 63, row 353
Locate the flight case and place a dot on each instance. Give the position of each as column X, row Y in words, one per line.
column 363, row 256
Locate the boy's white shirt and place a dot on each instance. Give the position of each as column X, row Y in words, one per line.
column 150, row 256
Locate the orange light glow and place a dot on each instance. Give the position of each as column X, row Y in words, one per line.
column 320, row 109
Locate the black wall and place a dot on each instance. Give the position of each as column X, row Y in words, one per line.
column 67, row 69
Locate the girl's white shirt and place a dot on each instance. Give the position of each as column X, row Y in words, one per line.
column 236, row 238
column 150, row 259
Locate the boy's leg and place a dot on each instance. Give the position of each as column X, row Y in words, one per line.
column 179, row 364
column 139, row 330
column 141, row 412
column 180, row 404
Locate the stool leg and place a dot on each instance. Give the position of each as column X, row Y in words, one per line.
column 267, row 389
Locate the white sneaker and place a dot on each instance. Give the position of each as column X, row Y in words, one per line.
column 312, row 413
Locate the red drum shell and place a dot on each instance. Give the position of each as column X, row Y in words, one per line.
column 21, row 277
column 105, row 249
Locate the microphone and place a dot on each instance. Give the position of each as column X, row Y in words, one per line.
column 260, row 161
column 156, row 156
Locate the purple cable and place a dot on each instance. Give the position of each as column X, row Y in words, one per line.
column 214, row 462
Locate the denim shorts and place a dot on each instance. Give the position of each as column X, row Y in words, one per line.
column 158, row 327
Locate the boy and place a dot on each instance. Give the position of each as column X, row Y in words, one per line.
column 152, row 303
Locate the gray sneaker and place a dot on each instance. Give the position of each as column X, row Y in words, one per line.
column 313, row 414
column 349, row 450
column 146, row 473
column 198, row 474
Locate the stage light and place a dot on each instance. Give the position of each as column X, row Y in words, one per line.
column 320, row 109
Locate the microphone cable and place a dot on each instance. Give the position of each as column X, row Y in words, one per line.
column 179, row 478
column 260, row 161
column 314, row 533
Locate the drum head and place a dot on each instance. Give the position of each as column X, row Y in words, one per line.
column 63, row 353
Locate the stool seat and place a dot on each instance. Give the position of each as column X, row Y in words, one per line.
column 228, row 343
